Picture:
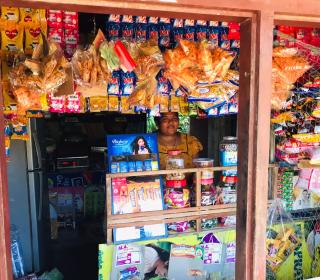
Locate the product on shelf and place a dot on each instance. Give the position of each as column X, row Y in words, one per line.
column 228, row 153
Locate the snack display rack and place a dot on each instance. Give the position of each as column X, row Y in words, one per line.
column 257, row 19
column 196, row 213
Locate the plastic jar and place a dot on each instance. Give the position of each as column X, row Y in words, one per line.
column 175, row 161
column 228, row 153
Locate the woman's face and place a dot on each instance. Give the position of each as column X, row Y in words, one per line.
column 169, row 124
column 140, row 142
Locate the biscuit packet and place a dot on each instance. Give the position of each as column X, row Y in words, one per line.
column 282, row 236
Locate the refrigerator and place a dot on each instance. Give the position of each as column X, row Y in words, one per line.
column 28, row 196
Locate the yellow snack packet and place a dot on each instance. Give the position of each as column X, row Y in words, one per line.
column 33, row 36
column 28, row 15
column 184, row 107
column 125, row 105
column 307, row 138
column 10, row 13
column 113, row 103
column 164, row 103
column 174, row 104
column 12, row 38
column 98, row 103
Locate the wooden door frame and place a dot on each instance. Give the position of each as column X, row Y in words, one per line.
column 256, row 18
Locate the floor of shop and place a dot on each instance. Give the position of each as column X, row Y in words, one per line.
column 75, row 253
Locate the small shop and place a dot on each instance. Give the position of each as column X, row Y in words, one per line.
column 146, row 142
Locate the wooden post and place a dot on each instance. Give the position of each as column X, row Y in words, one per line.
column 5, row 252
column 108, row 208
column 253, row 137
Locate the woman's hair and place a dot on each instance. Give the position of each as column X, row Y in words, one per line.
column 135, row 146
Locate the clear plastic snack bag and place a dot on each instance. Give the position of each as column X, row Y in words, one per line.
column 282, row 237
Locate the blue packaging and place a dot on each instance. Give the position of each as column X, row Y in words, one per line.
column 189, row 29
column 114, row 167
column 114, row 83
column 113, row 28
column 131, row 166
column 153, row 29
column 201, row 30
column 213, row 23
column 127, row 27
column 235, row 44
column 123, row 166
column 223, row 110
column 128, row 83
column 147, row 165
column 139, row 165
column 224, row 41
column 177, row 30
column 140, row 29
column 164, row 33
column 213, row 35
column 164, row 85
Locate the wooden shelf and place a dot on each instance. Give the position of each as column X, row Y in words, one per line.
column 196, row 213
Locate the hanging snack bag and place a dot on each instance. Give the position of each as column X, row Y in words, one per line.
column 189, row 29
column 127, row 27
column 19, row 128
column 213, row 34
column 27, row 99
column 234, row 31
column 282, row 237
column 74, row 103
column 114, row 84
column 54, row 18
column 164, row 86
column 174, row 104
column 224, row 41
column 98, row 103
column 10, row 13
column 56, row 35
column 56, row 103
column 140, row 29
column 164, row 32
column 153, row 29
column 33, row 36
column 201, row 30
column 113, row 27
column 12, row 38
column 113, row 103
column 128, row 82
column 70, row 20
column 177, row 30
column 29, row 15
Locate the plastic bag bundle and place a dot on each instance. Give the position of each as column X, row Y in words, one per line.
column 282, row 238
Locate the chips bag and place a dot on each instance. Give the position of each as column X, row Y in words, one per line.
column 12, row 38
column 282, row 237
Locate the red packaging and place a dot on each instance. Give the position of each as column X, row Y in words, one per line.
column 56, row 103
column 70, row 20
column 125, row 58
column 71, row 36
column 56, row 35
column 54, row 18
column 73, row 103
column 234, row 31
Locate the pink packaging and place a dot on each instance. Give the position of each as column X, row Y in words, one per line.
column 73, row 103
column 56, row 103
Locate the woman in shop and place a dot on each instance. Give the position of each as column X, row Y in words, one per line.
column 170, row 139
